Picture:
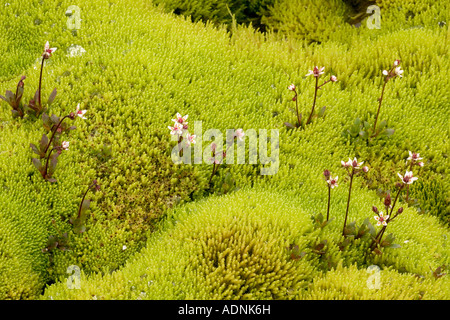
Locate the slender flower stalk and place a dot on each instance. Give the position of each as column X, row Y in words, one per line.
column 46, row 55
column 331, row 183
column 316, row 72
column 353, row 168
column 395, row 71
column 94, row 185
column 295, row 98
column 415, row 160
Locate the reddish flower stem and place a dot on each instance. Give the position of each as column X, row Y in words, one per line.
column 314, row 103
column 348, row 200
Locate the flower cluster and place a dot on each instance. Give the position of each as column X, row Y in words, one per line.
column 406, row 180
column 180, row 129
column 56, row 127
column 394, row 72
column 353, row 168
column 316, row 72
column 34, row 107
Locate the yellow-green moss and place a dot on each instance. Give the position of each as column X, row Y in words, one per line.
column 142, row 66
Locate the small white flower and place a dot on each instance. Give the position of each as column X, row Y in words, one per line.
column 65, row 145
column 414, row 156
column 396, row 62
column 385, row 72
column 420, row 164
column 177, row 129
column 398, row 71
column 408, row 177
column 333, row 182
column 355, row 163
column 316, row 72
column 48, row 51
column 381, row 219
column 179, row 119
column 190, row 139
column 291, row 87
column 239, row 133
column 347, row 164
column 333, row 78
column 124, row 247
column 80, row 113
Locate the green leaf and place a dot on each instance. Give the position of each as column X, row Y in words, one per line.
column 55, row 119
column 44, row 142
column 37, row 164
column 52, row 97
column 35, row 150
column 322, row 111
column 53, row 163
column 363, row 134
column 393, row 245
column 382, row 125
column 11, row 97
column 389, row 132
column 84, row 206
column 287, row 124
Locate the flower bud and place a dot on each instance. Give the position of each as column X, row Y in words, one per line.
column 327, row 173
column 374, row 209
column 400, row 210
column 365, row 169
column 387, row 200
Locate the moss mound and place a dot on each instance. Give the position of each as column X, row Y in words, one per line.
column 239, row 246
column 141, row 66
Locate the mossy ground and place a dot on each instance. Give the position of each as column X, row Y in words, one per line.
column 141, row 66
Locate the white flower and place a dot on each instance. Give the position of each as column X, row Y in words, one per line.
column 396, row 62
column 398, row 71
column 124, row 247
column 407, row 178
column 48, row 51
column 239, row 133
column 333, row 182
column 181, row 120
column 177, row 129
column 382, row 220
column 80, row 113
column 420, row 164
column 385, row 72
column 190, row 139
column 414, row 156
column 352, row 163
column 316, row 72
column 347, row 164
column 65, row 145
column 333, row 78
column 291, row 87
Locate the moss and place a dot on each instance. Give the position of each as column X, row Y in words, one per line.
column 237, row 246
column 141, row 66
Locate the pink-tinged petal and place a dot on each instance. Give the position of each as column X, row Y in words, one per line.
column 378, row 223
column 47, row 46
column 377, row 218
column 384, row 223
column 420, row 164
column 400, row 176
